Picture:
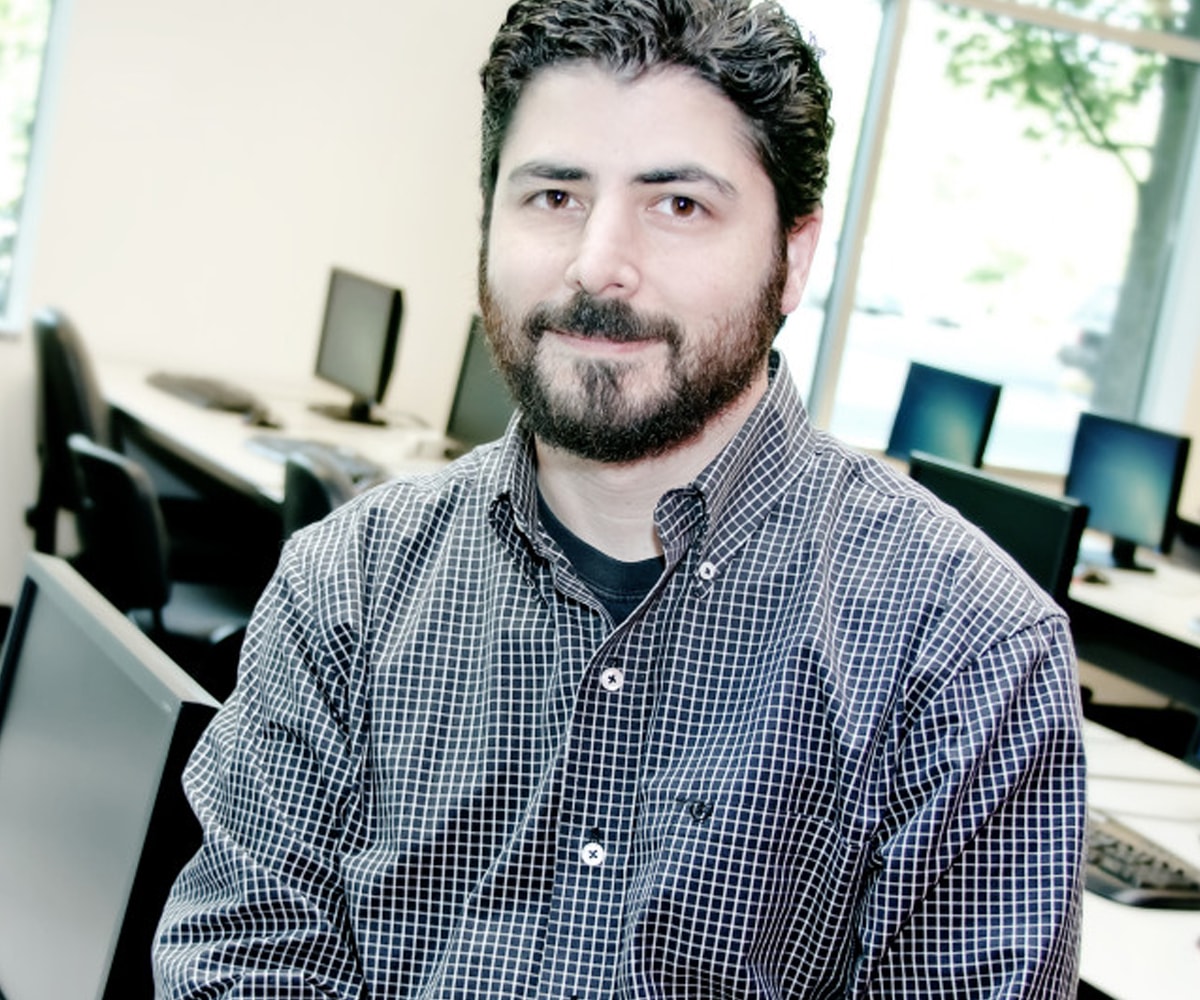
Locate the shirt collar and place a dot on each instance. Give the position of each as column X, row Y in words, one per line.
column 765, row 456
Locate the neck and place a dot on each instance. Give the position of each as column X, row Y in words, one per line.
column 611, row 505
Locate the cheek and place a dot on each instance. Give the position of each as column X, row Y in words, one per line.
column 522, row 265
column 693, row 293
column 709, row 278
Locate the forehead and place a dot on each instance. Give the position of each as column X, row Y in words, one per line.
column 584, row 114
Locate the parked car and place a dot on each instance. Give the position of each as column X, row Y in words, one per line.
column 1093, row 323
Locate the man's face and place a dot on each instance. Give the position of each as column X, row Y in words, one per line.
column 634, row 273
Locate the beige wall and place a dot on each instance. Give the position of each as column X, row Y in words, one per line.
column 207, row 163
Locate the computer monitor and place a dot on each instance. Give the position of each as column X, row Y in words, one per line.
column 1040, row 531
column 1130, row 477
column 359, row 336
column 95, row 726
column 943, row 413
column 482, row 404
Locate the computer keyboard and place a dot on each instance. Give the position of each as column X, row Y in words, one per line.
column 1126, row 867
column 203, row 390
column 355, row 465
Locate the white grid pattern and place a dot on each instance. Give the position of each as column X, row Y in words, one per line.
column 845, row 760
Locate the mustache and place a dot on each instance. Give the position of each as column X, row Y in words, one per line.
column 586, row 316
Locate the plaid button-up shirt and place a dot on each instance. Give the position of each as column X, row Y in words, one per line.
column 835, row 752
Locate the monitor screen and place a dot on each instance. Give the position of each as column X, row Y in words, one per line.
column 1130, row 477
column 482, row 405
column 359, row 336
column 95, row 725
column 1041, row 532
column 945, row 414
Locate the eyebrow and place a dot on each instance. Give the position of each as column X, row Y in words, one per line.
column 543, row 171
column 688, row 175
column 549, row 171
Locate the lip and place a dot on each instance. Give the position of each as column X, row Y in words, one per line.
column 593, row 344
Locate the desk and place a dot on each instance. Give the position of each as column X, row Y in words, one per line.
column 1132, row 953
column 215, row 443
column 1166, row 600
column 1141, row 626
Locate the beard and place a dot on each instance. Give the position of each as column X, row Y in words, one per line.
column 601, row 409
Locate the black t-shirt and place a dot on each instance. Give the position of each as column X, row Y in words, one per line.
column 620, row 586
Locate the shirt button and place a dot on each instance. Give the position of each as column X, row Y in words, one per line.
column 612, row 679
column 592, row 854
column 707, row 571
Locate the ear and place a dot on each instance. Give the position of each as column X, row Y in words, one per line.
column 801, row 245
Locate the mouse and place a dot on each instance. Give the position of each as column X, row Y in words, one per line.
column 1093, row 575
column 262, row 418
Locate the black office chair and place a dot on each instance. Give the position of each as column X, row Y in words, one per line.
column 945, row 414
column 313, row 486
column 124, row 556
column 68, row 402
column 1039, row 530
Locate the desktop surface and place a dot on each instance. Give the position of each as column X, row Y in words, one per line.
column 205, row 390
column 221, row 444
column 1165, row 600
column 1129, row 952
column 1142, row 627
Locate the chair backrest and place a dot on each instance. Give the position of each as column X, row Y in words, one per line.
column 124, row 540
column 313, row 486
column 68, row 401
column 943, row 413
column 1039, row 530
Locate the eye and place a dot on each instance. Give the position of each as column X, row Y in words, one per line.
column 683, row 207
column 553, row 199
column 680, row 206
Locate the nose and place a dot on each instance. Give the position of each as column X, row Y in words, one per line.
column 605, row 261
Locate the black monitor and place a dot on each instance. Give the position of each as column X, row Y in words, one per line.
column 96, row 724
column 1130, row 476
column 482, row 404
column 1041, row 532
column 943, row 413
column 359, row 336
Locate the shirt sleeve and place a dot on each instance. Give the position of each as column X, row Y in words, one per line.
column 258, row 912
column 975, row 888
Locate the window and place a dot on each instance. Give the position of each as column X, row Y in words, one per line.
column 24, row 25
column 845, row 33
column 1013, row 219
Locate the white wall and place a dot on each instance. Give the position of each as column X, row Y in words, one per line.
column 207, row 162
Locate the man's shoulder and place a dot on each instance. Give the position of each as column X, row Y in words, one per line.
column 896, row 532
column 469, row 483
column 411, row 508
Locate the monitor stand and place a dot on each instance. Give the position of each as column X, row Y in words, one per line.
column 361, row 412
column 357, row 412
column 1122, row 555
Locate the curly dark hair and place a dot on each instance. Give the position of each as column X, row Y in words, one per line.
column 751, row 50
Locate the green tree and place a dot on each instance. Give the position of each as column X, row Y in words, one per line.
column 23, row 25
column 1079, row 88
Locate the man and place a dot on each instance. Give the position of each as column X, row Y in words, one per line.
column 666, row 694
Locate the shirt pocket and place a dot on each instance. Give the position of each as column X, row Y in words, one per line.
column 736, row 889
